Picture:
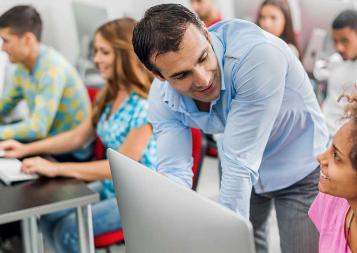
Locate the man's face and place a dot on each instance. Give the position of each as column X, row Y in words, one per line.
column 203, row 8
column 193, row 70
column 345, row 40
column 15, row 46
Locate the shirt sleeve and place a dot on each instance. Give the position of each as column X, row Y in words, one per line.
column 9, row 100
column 174, row 140
column 259, row 81
column 47, row 100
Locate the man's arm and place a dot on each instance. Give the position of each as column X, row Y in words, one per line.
column 173, row 140
column 260, row 83
column 40, row 121
column 12, row 97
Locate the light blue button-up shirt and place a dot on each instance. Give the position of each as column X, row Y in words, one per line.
column 270, row 121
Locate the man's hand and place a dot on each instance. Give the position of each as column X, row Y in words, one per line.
column 13, row 149
column 40, row 166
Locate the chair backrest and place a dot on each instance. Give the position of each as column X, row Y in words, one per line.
column 99, row 150
column 198, row 151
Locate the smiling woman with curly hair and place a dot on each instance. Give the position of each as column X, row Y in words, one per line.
column 335, row 208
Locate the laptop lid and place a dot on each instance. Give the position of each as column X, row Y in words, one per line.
column 161, row 216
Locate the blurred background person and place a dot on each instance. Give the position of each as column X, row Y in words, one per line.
column 341, row 69
column 54, row 93
column 274, row 16
column 207, row 11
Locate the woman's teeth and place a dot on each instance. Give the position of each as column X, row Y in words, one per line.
column 323, row 175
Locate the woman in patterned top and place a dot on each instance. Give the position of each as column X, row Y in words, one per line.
column 119, row 118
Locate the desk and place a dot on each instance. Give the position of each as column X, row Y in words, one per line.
column 27, row 201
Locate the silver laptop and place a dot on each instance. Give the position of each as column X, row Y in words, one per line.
column 161, row 216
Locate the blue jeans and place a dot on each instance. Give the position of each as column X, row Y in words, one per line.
column 61, row 227
column 297, row 232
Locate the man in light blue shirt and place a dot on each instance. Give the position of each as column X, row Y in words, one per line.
column 237, row 80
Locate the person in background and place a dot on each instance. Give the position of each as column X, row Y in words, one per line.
column 206, row 11
column 341, row 71
column 334, row 211
column 119, row 118
column 227, row 80
column 51, row 87
column 274, row 16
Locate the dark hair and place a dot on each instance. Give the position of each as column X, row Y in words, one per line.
column 161, row 30
column 288, row 34
column 351, row 111
column 21, row 19
column 128, row 71
column 353, row 153
column 347, row 18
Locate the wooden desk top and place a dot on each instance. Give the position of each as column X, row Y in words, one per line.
column 42, row 196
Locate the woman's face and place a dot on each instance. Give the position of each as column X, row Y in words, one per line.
column 337, row 177
column 272, row 20
column 104, row 57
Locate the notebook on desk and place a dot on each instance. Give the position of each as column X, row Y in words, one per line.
column 10, row 171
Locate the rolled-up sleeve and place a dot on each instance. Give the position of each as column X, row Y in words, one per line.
column 174, row 140
column 259, row 80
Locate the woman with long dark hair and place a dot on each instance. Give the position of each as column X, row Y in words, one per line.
column 274, row 16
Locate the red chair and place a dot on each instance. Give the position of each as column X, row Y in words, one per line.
column 198, row 150
column 99, row 149
column 199, row 146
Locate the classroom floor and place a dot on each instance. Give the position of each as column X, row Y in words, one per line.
column 208, row 186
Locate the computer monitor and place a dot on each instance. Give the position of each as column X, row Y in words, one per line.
column 161, row 216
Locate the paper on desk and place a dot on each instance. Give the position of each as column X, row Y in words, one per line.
column 10, row 171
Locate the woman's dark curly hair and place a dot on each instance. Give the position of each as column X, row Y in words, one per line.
column 351, row 113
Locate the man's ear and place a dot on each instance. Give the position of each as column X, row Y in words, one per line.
column 29, row 38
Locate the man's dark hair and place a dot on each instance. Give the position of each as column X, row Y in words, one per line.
column 161, row 30
column 21, row 19
column 347, row 18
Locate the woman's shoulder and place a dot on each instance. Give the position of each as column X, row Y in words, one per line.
column 138, row 101
column 329, row 203
column 327, row 208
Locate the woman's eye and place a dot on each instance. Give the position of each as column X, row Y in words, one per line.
column 335, row 156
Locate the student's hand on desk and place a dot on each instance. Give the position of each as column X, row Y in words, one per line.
column 38, row 165
column 13, row 149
